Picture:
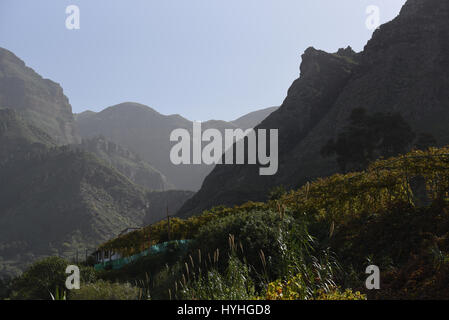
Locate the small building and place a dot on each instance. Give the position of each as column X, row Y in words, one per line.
column 103, row 256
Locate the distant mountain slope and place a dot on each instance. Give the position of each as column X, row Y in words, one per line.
column 403, row 68
column 127, row 163
column 54, row 201
column 146, row 132
column 83, row 115
column 18, row 137
column 39, row 100
column 254, row 118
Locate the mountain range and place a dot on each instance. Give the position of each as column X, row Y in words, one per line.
column 65, row 187
column 146, row 132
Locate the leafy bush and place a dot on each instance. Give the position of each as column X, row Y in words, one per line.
column 255, row 233
column 104, row 290
column 336, row 294
column 44, row 277
column 41, row 278
column 297, row 289
column 5, row 289
column 292, row 289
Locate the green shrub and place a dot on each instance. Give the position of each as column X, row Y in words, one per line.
column 45, row 277
column 254, row 232
column 296, row 288
column 5, row 288
column 337, row 294
column 41, row 278
column 104, row 290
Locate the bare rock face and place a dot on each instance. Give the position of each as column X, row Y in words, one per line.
column 40, row 101
column 403, row 68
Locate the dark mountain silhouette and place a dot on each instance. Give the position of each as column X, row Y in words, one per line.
column 403, row 69
column 146, row 132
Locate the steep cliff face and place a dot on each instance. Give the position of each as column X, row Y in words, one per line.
column 403, row 68
column 310, row 97
column 40, row 101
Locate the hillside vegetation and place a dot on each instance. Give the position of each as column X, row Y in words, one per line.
column 394, row 215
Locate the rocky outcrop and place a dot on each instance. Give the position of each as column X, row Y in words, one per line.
column 403, row 68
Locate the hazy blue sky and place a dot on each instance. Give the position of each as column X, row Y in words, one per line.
column 203, row 59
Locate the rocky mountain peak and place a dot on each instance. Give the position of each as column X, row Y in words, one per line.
column 315, row 62
column 347, row 52
column 40, row 101
column 422, row 8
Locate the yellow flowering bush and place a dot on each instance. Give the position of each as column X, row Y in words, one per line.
column 294, row 289
column 336, row 294
column 286, row 290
